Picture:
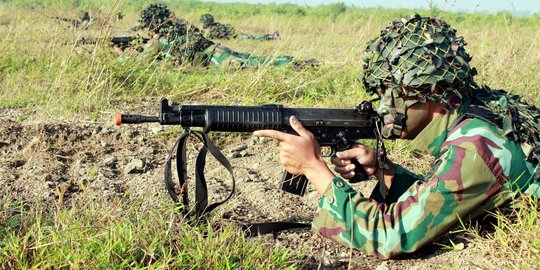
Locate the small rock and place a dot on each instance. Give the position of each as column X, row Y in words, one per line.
column 239, row 148
column 136, row 165
column 110, row 161
column 104, row 144
column 382, row 266
column 293, row 237
column 460, row 246
column 97, row 130
column 263, row 139
column 84, row 134
column 157, row 129
column 251, row 177
column 243, row 153
column 147, row 150
column 327, row 262
column 234, row 155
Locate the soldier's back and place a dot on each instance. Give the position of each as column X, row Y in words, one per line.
column 220, row 31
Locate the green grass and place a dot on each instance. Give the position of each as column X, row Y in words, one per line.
column 40, row 66
column 123, row 234
column 514, row 243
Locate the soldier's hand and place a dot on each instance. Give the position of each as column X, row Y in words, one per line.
column 363, row 154
column 119, row 51
column 298, row 153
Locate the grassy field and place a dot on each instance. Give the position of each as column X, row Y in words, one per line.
column 41, row 66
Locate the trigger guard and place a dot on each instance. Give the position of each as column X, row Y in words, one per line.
column 341, row 147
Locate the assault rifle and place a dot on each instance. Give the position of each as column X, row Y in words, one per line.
column 334, row 128
column 122, row 42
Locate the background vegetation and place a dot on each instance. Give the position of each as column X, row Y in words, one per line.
column 41, row 66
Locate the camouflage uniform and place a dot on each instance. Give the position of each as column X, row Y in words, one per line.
column 220, row 56
column 478, row 165
column 217, row 30
column 215, row 55
column 178, row 41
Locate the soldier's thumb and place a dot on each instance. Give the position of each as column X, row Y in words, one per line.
column 297, row 126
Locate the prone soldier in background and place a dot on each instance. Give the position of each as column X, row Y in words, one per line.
column 85, row 20
column 486, row 145
column 176, row 40
column 81, row 23
column 217, row 30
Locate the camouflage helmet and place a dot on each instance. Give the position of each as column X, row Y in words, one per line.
column 154, row 16
column 207, row 19
column 84, row 16
column 420, row 54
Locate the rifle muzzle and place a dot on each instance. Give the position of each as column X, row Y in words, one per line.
column 120, row 118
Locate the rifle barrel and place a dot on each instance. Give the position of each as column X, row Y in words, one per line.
column 120, row 118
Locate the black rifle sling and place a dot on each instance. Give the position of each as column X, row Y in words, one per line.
column 254, row 229
column 180, row 146
column 201, row 189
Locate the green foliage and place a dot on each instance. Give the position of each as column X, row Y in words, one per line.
column 122, row 234
column 514, row 242
column 60, row 76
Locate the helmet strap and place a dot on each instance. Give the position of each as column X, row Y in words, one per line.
column 394, row 99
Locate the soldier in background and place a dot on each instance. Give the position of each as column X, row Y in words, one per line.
column 180, row 42
column 486, row 145
column 217, row 30
column 81, row 23
column 85, row 20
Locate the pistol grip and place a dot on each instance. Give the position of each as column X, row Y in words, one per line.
column 294, row 183
column 359, row 172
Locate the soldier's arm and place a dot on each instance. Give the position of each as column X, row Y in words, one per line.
column 152, row 48
column 458, row 184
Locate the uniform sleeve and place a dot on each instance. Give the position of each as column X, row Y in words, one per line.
column 405, row 179
column 152, row 49
column 457, row 184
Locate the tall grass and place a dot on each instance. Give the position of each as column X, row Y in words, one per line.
column 514, row 243
column 41, row 65
column 122, row 234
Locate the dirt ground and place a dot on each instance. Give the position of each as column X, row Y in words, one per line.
column 39, row 156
